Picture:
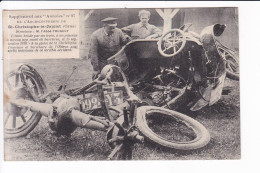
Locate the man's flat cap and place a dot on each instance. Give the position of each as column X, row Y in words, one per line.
column 109, row 20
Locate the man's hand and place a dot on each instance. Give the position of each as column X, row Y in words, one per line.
column 95, row 74
column 128, row 38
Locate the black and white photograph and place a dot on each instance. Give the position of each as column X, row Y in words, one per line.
column 121, row 84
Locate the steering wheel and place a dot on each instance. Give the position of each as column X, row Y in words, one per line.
column 171, row 43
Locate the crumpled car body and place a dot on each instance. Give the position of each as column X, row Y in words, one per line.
column 194, row 77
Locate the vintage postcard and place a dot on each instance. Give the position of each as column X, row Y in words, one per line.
column 121, row 84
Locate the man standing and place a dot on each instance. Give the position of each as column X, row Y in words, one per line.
column 143, row 29
column 105, row 42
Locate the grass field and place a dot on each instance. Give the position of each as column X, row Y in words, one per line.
column 222, row 120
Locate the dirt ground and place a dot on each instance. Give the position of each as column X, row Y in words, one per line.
column 222, row 120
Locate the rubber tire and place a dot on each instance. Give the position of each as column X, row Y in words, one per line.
column 202, row 139
column 26, row 129
column 34, row 120
column 232, row 75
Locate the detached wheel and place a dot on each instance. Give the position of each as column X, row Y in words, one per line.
column 171, row 129
column 232, row 63
column 22, row 83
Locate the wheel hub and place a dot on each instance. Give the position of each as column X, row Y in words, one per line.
column 17, row 93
